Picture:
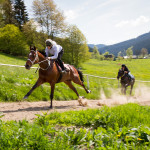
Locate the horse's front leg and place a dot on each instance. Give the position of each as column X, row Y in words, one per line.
column 122, row 89
column 131, row 89
column 125, row 88
column 52, row 93
column 38, row 83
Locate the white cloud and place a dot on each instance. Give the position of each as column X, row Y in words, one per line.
column 70, row 15
column 137, row 22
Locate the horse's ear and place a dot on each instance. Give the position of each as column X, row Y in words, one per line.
column 30, row 47
column 34, row 48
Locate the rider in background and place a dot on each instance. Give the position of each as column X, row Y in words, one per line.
column 52, row 48
column 127, row 71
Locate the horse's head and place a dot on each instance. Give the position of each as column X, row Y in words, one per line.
column 32, row 58
column 120, row 73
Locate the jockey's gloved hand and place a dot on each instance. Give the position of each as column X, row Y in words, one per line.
column 49, row 58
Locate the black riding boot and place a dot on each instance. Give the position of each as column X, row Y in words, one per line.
column 61, row 65
column 129, row 77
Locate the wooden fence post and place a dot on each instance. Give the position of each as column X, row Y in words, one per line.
column 88, row 84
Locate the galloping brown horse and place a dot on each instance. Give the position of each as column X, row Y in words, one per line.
column 49, row 72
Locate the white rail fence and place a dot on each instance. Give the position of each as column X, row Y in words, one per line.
column 87, row 75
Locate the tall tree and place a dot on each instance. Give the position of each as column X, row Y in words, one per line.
column 6, row 13
column 119, row 54
column 48, row 16
column 29, row 30
column 129, row 52
column 32, row 36
column 21, row 14
column 95, row 53
column 78, row 50
column 144, row 52
column 1, row 13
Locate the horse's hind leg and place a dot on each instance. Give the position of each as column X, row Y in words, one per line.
column 38, row 83
column 79, row 82
column 69, row 83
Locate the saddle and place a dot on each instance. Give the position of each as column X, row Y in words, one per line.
column 130, row 78
column 59, row 68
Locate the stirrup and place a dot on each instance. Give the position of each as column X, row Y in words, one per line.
column 63, row 71
column 66, row 69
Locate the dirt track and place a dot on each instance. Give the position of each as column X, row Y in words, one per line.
column 28, row 110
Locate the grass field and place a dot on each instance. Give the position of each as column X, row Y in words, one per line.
column 103, row 129
column 121, row 127
column 16, row 82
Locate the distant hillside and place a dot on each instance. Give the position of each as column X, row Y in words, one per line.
column 91, row 46
column 142, row 41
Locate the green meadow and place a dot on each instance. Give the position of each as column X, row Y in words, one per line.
column 98, row 129
column 15, row 82
column 121, row 127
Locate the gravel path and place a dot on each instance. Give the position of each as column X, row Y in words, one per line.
column 28, row 110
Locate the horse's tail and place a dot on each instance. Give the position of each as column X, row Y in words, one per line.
column 81, row 75
column 79, row 72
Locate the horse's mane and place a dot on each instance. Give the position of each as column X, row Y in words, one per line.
column 42, row 52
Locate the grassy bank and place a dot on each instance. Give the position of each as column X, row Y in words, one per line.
column 16, row 82
column 121, row 127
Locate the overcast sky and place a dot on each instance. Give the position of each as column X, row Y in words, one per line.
column 105, row 21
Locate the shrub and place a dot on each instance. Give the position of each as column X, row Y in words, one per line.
column 12, row 41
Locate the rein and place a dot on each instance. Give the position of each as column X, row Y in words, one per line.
column 123, row 75
column 37, row 59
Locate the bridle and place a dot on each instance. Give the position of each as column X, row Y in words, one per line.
column 37, row 59
column 122, row 75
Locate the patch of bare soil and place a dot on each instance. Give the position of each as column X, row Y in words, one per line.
column 28, row 110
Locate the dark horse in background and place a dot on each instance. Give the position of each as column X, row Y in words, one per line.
column 49, row 72
column 125, row 81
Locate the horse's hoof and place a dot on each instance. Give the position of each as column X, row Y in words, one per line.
column 25, row 97
column 89, row 91
column 81, row 97
column 50, row 107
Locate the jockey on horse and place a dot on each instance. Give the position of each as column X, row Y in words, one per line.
column 49, row 72
column 126, row 78
column 127, row 71
column 57, row 51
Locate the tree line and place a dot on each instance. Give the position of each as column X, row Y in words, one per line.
column 18, row 31
column 128, row 53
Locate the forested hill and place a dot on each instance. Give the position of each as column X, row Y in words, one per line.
column 91, row 46
column 142, row 41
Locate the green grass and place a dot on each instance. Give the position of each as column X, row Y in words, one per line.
column 121, row 127
column 106, row 117
column 16, row 82
column 138, row 67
